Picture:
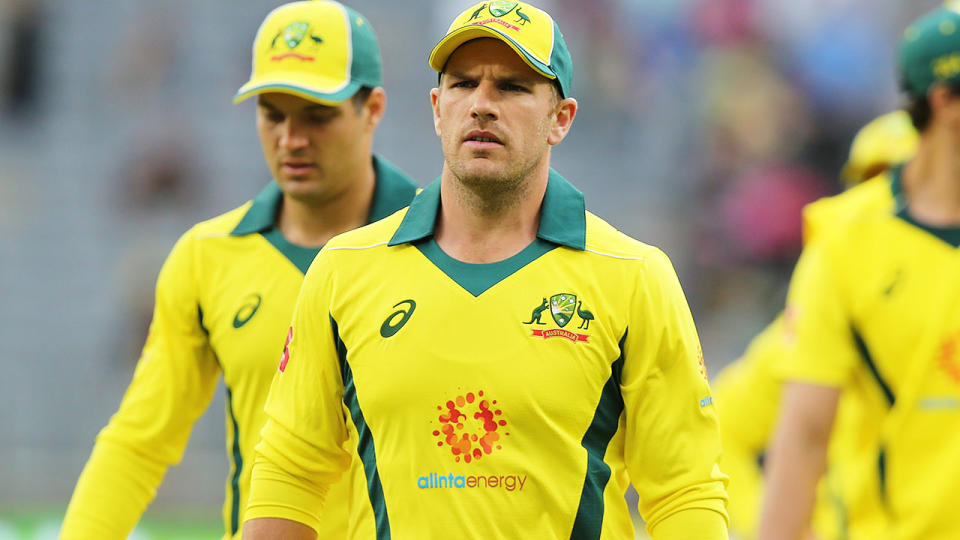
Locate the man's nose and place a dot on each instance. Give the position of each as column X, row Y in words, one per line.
column 485, row 102
column 292, row 134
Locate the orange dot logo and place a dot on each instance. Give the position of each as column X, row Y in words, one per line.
column 948, row 358
column 471, row 426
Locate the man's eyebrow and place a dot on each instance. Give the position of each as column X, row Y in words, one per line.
column 507, row 79
column 518, row 80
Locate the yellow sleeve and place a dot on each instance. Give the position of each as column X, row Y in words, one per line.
column 672, row 440
column 747, row 396
column 301, row 452
column 173, row 383
column 819, row 343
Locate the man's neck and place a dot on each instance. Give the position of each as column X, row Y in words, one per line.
column 478, row 228
column 931, row 181
column 312, row 223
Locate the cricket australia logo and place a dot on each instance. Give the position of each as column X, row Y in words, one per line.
column 292, row 36
column 500, row 9
column 563, row 307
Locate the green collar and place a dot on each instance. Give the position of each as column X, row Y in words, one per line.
column 896, row 185
column 393, row 191
column 950, row 235
column 562, row 220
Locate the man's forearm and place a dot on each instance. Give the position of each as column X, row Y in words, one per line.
column 272, row 528
column 796, row 460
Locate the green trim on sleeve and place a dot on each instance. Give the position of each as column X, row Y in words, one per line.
column 477, row 278
column 589, row 521
column 365, row 445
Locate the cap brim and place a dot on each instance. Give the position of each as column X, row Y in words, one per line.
column 455, row 38
column 297, row 88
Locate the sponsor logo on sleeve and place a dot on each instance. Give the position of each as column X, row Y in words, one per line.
column 286, row 350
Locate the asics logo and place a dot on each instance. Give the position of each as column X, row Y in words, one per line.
column 246, row 312
column 393, row 324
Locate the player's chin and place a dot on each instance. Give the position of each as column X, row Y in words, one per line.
column 299, row 185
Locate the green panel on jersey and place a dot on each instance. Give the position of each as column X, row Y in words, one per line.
column 477, row 278
column 237, row 468
column 589, row 521
column 872, row 367
column 365, row 446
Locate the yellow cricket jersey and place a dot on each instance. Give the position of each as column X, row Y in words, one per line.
column 748, row 394
column 508, row 400
column 224, row 299
column 880, row 300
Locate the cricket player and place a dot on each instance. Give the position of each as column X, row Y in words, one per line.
column 880, row 298
column 748, row 390
column 225, row 295
column 515, row 361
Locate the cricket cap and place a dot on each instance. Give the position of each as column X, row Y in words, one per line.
column 884, row 141
column 319, row 50
column 529, row 31
column 930, row 50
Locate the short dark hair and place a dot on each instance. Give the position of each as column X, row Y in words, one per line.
column 361, row 96
column 918, row 107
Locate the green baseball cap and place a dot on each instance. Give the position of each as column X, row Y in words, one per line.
column 930, row 50
column 319, row 50
column 529, row 31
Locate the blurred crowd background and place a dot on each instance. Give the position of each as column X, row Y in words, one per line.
column 704, row 126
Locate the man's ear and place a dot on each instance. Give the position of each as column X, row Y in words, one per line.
column 375, row 107
column 435, row 105
column 563, row 117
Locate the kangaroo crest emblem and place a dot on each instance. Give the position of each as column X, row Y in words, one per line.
column 501, row 8
column 294, row 34
column 562, row 307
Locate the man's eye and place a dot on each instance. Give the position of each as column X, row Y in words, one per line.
column 514, row 88
column 463, row 84
column 275, row 117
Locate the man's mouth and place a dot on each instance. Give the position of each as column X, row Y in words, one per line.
column 482, row 139
column 297, row 167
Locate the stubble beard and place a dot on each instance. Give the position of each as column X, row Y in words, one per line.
column 493, row 192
